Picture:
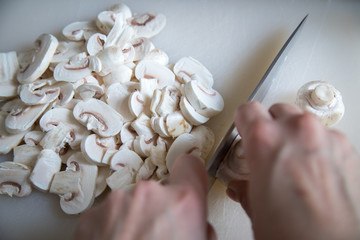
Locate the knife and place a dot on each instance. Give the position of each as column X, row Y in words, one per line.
column 258, row 94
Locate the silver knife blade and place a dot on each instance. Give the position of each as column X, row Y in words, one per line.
column 258, row 94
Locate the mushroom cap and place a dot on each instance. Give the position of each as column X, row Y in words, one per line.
column 73, row 70
column 143, row 144
column 190, row 113
column 323, row 100
column 142, row 47
column 93, row 148
column 99, row 117
column 95, row 43
column 146, row 24
column 38, row 92
column 46, row 44
column 126, row 158
column 136, row 103
column 14, row 179
column 77, row 31
column 127, row 133
column 89, row 90
column 82, row 200
column 151, row 69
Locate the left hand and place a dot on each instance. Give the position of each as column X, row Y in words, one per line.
column 177, row 210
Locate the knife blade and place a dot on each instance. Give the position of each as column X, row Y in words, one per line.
column 258, row 94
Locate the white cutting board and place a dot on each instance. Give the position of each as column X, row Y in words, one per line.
column 236, row 41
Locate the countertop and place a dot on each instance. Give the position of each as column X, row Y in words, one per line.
column 236, row 41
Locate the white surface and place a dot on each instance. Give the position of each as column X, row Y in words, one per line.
column 236, row 41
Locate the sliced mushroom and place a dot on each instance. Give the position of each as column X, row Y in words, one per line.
column 142, row 125
column 159, row 126
column 9, row 66
column 73, row 70
column 89, row 90
column 323, row 100
column 100, row 185
column 122, row 74
column 95, row 43
column 26, row 155
column 206, row 139
column 38, row 92
column 77, row 31
column 66, row 94
column 186, row 67
column 157, row 55
column 14, row 179
column 55, row 116
column 155, row 102
column 33, row 138
column 142, row 47
column 8, row 90
column 106, row 19
column 129, row 145
column 22, row 117
column 46, row 45
column 66, row 50
column 136, row 103
column 85, row 80
column 143, row 144
column 77, row 202
column 56, row 138
column 176, row 124
column 111, row 58
column 158, row 158
column 151, row 69
column 108, row 155
column 119, row 34
column 126, row 158
column 207, row 102
column 190, row 114
column 147, row 88
column 121, row 179
column 65, row 182
column 8, row 141
column 93, row 148
column 117, row 96
column 169, row 101
column 146, row 170
column 127, row 133
column 129, row 53
column 147, row 25
column 99, row 117
column 47, row 164
column 184, row 144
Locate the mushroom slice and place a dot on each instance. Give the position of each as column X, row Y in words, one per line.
column 14, row 179
column 93, row 148
column 66, row 93
column 9, row 66
column 111, row 58
column 155, row 102
column 323, row 100
column 108, row 155
column 147, row 88
column 33, row 138
column 142, row 125
column 89, row 90
column 55, row 116
column 26, row 155
column 95, row 43
column 120, row 33
column 56, row 137
column 8, row 90
column 77, row 202
column 186, row 67
column 190, row 114
column 158, row 158
column 73, row 70
column 46, row 45
column 129, row 145
column 176, row 124
column 85, row 80
column 100, row 185
column 121, row 179
column 66, row 50
column 146, row 170
column 38, row 93
column 22, row 117
column 147, row 25
column 47, row 164
column 127, row 133
column 136, row 103
column 121, row 8
column 184, row 144
column 77, row 31
column 157, row 55
column 106, row 19
column 65, row 182
column 121, row 74
column 207, row 102
column 143, row 144
column 151, row 69
column 99, row 117
column 159, row 126
column 117, row 96
column 142, row 46
column 126, row 158
column 206, row 139
column 169, row 101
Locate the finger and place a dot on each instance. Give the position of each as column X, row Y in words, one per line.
column 211, row 234
column 249, row 113
column 281, row 110
column 238, row 191
column 190, row 171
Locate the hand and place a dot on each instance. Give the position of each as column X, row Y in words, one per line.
column 176, row 210
column 304, row 178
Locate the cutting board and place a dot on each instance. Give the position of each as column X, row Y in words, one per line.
column 236, row 41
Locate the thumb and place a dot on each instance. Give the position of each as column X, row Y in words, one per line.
column 238, row 190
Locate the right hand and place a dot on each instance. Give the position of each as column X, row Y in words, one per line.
column 304, row 178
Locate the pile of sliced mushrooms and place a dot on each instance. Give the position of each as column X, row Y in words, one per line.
column 101, row 107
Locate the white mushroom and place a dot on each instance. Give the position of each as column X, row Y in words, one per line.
column 121, row 74
column 94, row 147
column 147, row 88
column 157, row 55
column 47, row 164
column 143, row 144
column 77, row 31
column 34, row 137
column 158, row 158
column 74, row 203
column 121, row 179
column 152, row 69
column 129, row 145
column 129, row 53
column 38, row 92
column 14, row 179
column 136, row 103
column 146, row 170
column 66, row 93
column 66, row 50
column 95, row 43
column 111, row 58
column 119, row 34
column 155, row 102
column 186, row 67
column 169, row 101
column 56, row 138
column 106, row 19
column 9, row 66
column 73, row 70
column 159, row 126
column 142, row 46
column 99, row 117
column 46, row 45
column 26, row 155
column 126, row 158
column 147, row 25
column 8, row 90
column 85, row 80
column 184, row 144
column 142, row 125
column 109, row 153
column 100, row 185
column 206, row 139
column 89, row 90
column 65, row 182
column 127, row 133
column 117, row 96
column 22, row 117
column 176, row 124
column 55, row 116
column 190, row 114
column 323, row 100
column 207, row 102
